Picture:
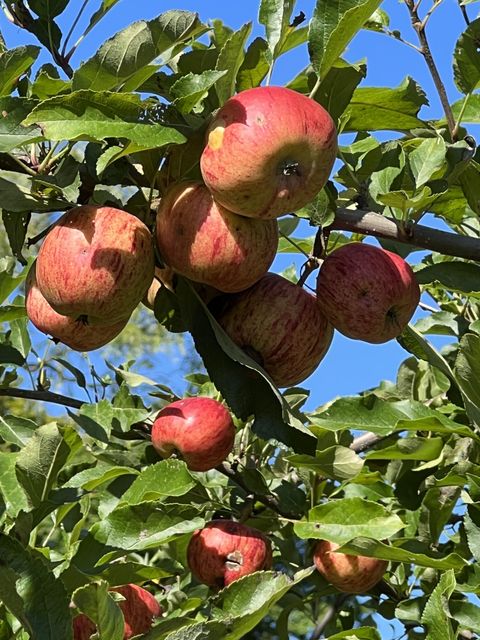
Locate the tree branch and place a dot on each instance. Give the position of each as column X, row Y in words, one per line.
column 419, row 27
column 374, row 224
column 328, row 616
column 45, row 396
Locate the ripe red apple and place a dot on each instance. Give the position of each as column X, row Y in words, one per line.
column 224, row 551
column 76, row 334
column 269, row 151
column 205, row 242
column 351, row 574
column 139, row 609
column 96, row 263
column 280, row 326
column 200, row 429
column 366, row 292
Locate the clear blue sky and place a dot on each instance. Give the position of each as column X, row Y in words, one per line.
column 350, row 366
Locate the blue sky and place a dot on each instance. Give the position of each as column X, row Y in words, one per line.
column 350, row 366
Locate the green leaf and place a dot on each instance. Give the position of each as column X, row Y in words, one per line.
column 254, row 66
column 8, row 281
column 95, row 602
column 9, row 355
column 243, row 384
column 48, row 83
column 426, row 159
column 122, row 57
column 230, row 59
column 275, row 16
column 467, row 372
column 30, row 590
column 436, row 615
column 245, row 602
column 145, row 526
column 48, row 9
column 471, row 523
column 401, row 551
column 411, row 340
column 13, row 64
column 359, row 633
column 12, row 494
column 189, row 91
column 470, row 112
column 17, row 194
column 338, row 87
column 467, row 614
column 410, row 449
column 12, row 134
column 382, row 108
column 40, row 460
column 370, row 413
column 466, row 60
column 159, row 481
column 101, row 12
column 109, row 417
column 9, row 313
column 332, row 27
column 101, row 473
column 16, row 430
column 90, row 115
column 453, row 275
column 338, row 463
column 342, row 520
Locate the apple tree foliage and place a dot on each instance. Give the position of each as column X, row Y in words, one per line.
column 392, row 473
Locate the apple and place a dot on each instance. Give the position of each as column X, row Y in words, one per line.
column 205, row 242
column 366, row 292
column 139, row 609
column 269, row 151
column 350, row 574
column 224, row 551
column 280, row 326
column 76, row 334
column 96, row 264
column 200, row 429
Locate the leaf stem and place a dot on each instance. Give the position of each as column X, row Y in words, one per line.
column 72, row 28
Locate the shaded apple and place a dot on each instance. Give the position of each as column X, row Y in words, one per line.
column 350, row 574
column 224, row 551
column 139, row 610
column 280, row 326
column 200, row 429
column 205, row 242
column 96, row 263
column 269, row 151
column 74, row 333
column 366, row 292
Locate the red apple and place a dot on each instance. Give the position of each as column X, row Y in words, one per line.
column 96, row 264
column 351, row 574
column 280, row 326
column 76, row 334
column 269, row 151
column 139, row 609
column 366, row 292
column 224, row 551
column 200, row 429
column 205, row 242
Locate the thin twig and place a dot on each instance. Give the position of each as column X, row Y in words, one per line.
column 72, row 28
column 269, row 500
column 328, row 616
column 419, row 27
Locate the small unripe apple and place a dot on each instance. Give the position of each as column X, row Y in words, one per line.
column 205, row 242
column 139, row 610
column 366, row 292
column 224, row 551
column 96, row 264
column 269, row 151
column 350, row 574
column 76, row 334
column 280, row 326
column 200, row 429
